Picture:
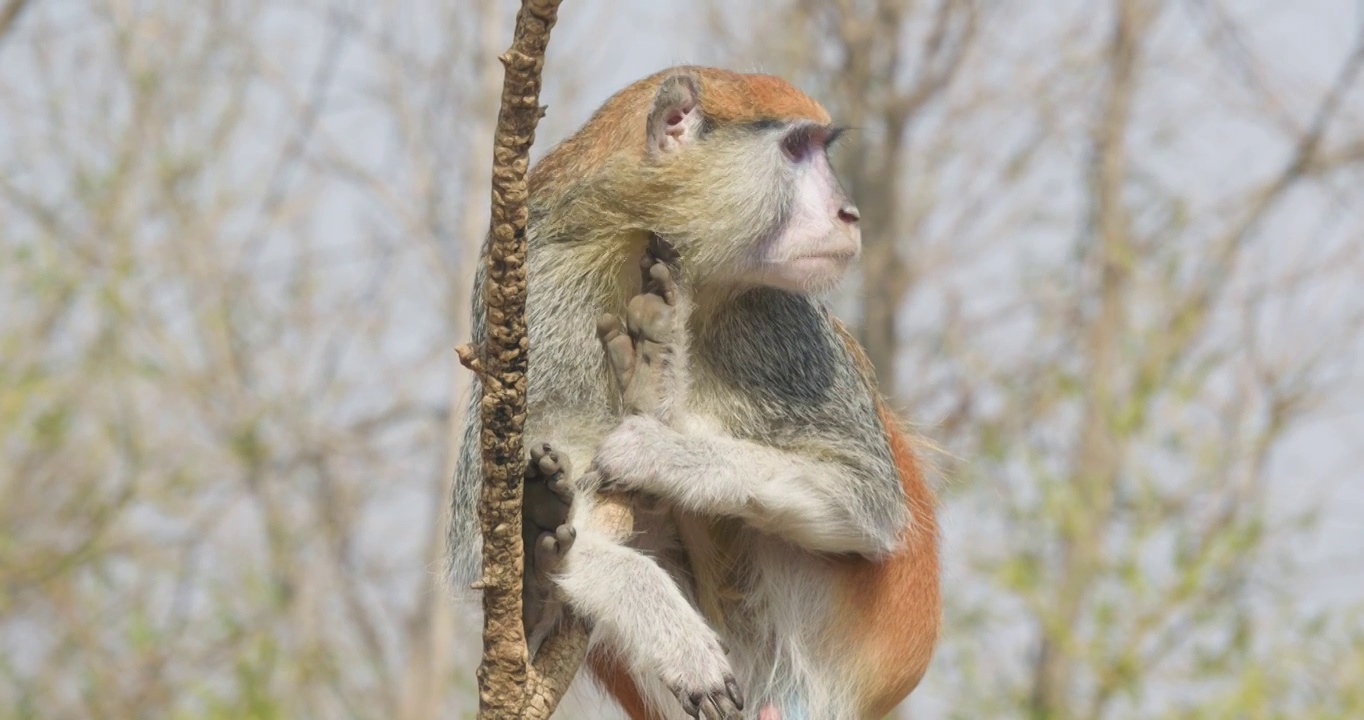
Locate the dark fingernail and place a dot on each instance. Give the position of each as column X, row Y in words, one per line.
column 732, row 688
column 693, row 707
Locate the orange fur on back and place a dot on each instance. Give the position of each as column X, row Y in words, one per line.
column 894, row 606
column 618, row 684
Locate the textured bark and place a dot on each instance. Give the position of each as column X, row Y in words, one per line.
column 508, row 686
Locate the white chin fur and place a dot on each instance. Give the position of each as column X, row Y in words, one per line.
column 808, row 274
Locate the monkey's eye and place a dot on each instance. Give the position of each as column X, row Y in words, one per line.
column 797, row 143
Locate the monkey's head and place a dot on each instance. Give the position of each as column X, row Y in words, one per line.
column 731, row 169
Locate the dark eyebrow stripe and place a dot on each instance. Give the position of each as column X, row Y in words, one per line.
column 835, row 133
column 764, row 124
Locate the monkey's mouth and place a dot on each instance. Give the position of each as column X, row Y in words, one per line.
column 813, row 273
column 838, row 258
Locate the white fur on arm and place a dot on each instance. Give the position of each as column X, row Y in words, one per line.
column 637, row 610
column 809, row 502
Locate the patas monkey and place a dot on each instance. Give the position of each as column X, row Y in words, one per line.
column 781, row 513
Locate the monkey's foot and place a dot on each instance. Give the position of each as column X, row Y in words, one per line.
column 652, row 314
column 706, row 688
column 644, row 350
column 546, row 507
column 545, row 530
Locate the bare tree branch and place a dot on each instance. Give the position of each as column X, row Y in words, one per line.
column 509, row 687
column 1099, row 454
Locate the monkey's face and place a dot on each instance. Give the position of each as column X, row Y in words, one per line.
column 812, row 227
column 748, row 203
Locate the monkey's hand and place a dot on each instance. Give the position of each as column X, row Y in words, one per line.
column 546, row 532
column 647, row 352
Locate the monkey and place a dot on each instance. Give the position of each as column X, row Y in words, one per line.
column 781, row 510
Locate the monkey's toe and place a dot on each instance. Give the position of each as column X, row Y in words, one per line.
column 548, row 462
column 564, row 536
column 550, row 549
column 657, row 273
column 661, row 282
column 650, row 317
column 619, row 346
column 660, row 250
column 548, row 493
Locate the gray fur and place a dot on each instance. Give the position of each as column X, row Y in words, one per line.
column 781, row 446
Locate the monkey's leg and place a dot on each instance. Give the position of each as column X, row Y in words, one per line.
column 546, row 535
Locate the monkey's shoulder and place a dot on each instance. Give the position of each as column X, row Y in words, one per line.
column 782, row 353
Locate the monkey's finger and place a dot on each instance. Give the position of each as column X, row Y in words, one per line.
column 620, row 349
column 609, row 327
column 718, row 707
column 735, row 694
column 691, row 703
column 646, row 264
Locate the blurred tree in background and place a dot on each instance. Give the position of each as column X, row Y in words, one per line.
column 1112, row 266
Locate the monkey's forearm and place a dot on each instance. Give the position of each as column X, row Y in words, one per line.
column 636, row 609
column 822, row 505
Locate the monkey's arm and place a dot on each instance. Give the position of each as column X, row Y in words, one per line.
column 826, row 504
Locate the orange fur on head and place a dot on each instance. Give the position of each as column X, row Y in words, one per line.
column 620, row 125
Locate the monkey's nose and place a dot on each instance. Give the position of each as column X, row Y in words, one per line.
column 849, row 214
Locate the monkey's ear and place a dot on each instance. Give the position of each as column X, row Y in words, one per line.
column 675, row 119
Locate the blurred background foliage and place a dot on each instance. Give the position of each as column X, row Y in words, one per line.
column 1113, row 267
